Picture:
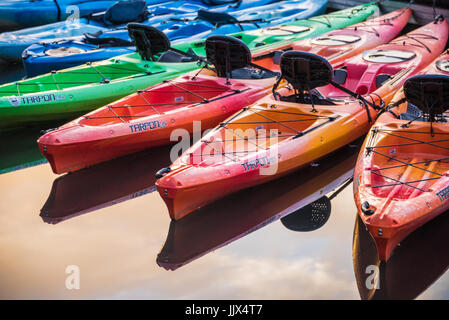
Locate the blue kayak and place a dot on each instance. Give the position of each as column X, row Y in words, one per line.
column 12, row 44
column 45, row 57
column 28, row 13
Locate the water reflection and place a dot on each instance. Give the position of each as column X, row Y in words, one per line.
column 104, row 185
column 314, row 215
column 19, row 150
column 239, row 214
column 421, row 259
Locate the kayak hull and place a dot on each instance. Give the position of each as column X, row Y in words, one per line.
column 397, row 197
column 87, row 141
column 52, row 99
column 28, row 13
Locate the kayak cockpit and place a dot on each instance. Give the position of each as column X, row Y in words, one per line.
column 254, row 130
column 400, row 169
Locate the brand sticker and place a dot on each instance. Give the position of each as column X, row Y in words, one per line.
column 443, row 194
column 257, row 163
column 145, row 126
column 16, row 101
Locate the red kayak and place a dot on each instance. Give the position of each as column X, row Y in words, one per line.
column 147, row 118
column 321, row 110
column 339, row 45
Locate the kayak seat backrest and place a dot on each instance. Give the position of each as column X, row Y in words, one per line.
column 216, row 18
column 173, row 57
column 305, row 71
column 125, row 11
column 227, row 54
column 247, row 73
column 149, row 41
column 429, row 93
column 106, row 41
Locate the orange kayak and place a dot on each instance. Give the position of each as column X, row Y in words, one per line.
column 238, row 215
column 321, row 110
column 147, row 119
column 402, row 174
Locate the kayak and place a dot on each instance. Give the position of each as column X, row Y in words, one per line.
column 103, row 185
column 321, row 110
column 107, row 28
column 13, row 43
column 71, row 92
column 402, row 172
column 87, row 89
column 27, row 13
column 208, row 23
column 238, row 215
column 263, row 41
column 339, row 45
column 425, row 250
column 64, row 53
column 149, row 117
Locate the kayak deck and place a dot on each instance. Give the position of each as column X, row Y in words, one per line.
column 401, row 170
column 256, row 130
column 93, row 73
column 158, row 101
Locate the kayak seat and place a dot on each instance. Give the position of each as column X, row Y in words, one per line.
column 232, row 59
column 126, row 11
column 216, row 18
column 149, row 41
column 227, row 54
column 172, row 56
column 429, row 94
column 305, row 72
column 106, row 41
column 250, row 73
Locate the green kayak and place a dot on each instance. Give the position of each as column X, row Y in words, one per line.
column 71, row 92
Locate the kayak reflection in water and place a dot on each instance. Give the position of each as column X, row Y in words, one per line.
column 103, row 185
column 420, row 260
column 235, row 216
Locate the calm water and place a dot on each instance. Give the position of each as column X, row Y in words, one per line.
column 109, row 221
